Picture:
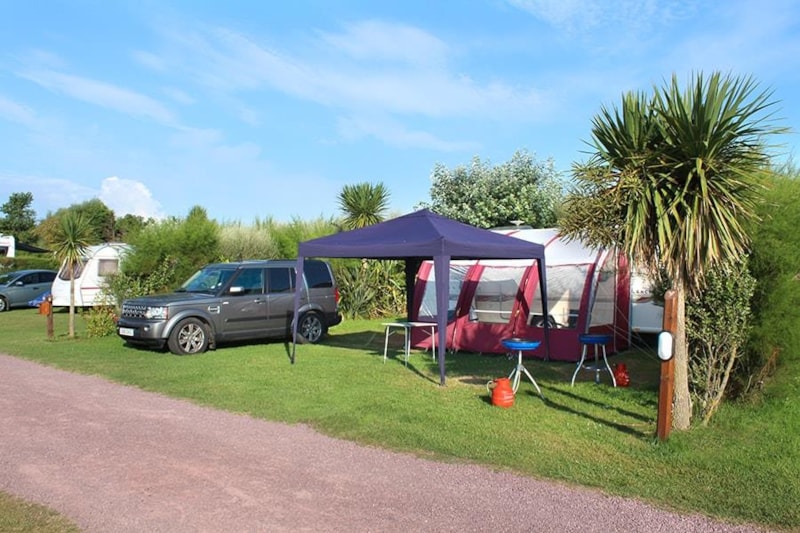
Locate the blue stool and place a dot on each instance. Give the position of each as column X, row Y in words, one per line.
column 520, row 345
column 598, row 341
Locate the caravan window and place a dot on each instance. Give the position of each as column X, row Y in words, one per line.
column 458, row 272
column 106, row 267
column 77, row 270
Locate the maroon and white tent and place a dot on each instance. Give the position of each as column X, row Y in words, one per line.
column 588, row 291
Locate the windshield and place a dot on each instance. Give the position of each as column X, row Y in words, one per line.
column 207, row 280
column 5, row 279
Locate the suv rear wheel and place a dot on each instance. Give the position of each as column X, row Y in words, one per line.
column 311, row 327
column 189, row 337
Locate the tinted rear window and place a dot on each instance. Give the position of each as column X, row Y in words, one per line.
column 317, row 274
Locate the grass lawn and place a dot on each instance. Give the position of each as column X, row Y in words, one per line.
column 744, row 467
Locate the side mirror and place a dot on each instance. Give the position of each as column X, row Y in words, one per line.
column 665, row 345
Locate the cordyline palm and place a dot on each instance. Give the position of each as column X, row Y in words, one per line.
column 73, row 234
column 672, row 180
column 363, row 204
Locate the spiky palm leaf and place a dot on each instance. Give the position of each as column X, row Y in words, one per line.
column 363, row 204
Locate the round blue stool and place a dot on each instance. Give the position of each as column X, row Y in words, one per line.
column 519, row 346
column 598, row 341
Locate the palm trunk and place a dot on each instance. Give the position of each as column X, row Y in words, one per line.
column 72, row 303
column 682, row 401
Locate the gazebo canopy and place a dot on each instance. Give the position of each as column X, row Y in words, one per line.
column 416, row 237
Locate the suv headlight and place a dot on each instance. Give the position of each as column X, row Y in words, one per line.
column 157, row 313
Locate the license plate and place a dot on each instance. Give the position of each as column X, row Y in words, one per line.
column 126, row 332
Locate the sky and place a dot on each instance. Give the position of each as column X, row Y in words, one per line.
column 257, row 109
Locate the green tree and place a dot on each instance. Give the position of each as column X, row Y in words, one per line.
column 363, row 204
column 775, row 263
column 129, row 225
column 20, row 218
column 184, row 244
column 672, row 180
column 73, row 237
column 97, row 215
column 487, row 196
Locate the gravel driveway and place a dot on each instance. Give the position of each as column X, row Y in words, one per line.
column 116, row 459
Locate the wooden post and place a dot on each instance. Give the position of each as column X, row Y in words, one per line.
column 667, row 385
column 49, row 317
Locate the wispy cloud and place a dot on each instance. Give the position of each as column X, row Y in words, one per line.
column 360, row 68
column 394, row 133
column 16, row 112
column 102, row 94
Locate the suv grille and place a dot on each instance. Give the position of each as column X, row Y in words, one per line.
column 133, row 311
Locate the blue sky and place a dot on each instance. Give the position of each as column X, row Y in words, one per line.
column 257, row 109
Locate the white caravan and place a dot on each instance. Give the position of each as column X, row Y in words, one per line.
column 7, row 246
column 98, row 262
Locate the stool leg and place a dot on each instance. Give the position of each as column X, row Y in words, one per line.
column 580, row 364
column 385, row 344
column 597, row 365
column 613, row 379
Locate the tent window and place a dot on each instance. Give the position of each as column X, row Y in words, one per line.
column 564, row 290
column 605, row 297
column 428, row 308
column 496, row 293
column 106, row 267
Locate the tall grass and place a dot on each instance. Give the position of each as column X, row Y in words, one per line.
column 745, row 466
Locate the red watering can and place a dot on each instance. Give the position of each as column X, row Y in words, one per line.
column 501, row 391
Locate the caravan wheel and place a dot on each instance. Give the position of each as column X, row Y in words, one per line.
column 189, row 337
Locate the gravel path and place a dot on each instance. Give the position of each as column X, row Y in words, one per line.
column 116, row 459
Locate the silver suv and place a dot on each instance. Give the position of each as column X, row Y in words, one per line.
column 234, row 301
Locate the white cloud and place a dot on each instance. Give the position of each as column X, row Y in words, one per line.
column 129, row 197
column 102, row 94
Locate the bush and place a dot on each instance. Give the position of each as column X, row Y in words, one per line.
column 775, row 263
column 101, row 321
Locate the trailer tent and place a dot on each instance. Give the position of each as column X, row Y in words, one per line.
column 588, row 290
column 416, row 237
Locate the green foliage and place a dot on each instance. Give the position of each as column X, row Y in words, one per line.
column 99, row 218
column 675, row 176
column 237, row 242
column 363, row 204
column 125, row 284
column 371, row 289
column 286, row 237
column 488, row 196
column 20, row 218
column 101, row 321
column 775, row 263
column 717, row 327
column 128, row 226
column 186, row 245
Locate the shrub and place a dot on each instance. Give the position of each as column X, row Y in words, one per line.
column 101, row 321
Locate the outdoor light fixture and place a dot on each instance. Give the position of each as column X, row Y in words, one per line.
column 665, row 345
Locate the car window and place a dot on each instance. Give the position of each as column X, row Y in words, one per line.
column 27, row 279
column 47, row 276
column 317, row 275
column 280, row 279
column 251, row 280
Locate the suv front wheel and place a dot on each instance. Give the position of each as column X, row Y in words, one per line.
column 311, row 327
column 189, row 337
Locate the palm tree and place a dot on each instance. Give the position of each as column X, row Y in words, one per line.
column 73, row 234
column 672, row 180
column 363, row 204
